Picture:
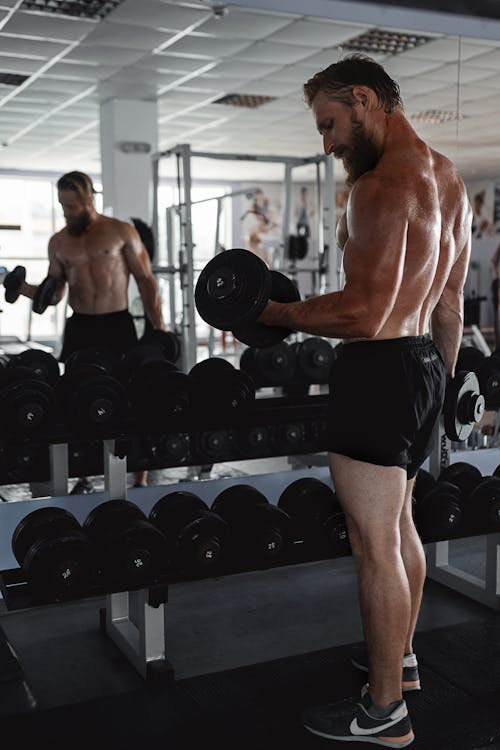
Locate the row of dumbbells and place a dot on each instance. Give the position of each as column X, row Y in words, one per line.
column 99, row 391
column 460, row 502
column 293, row 366
column 118, row 548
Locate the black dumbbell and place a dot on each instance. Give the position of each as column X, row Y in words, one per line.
column 438, row 513
column 219, row 388
column 469, row 358
column 463, row 407
column 93, row 402
column 289, row 437
column 167, row 342
column 424, row 483
column 260, row 532
column 158, row 391
column 484, row 505
column 314, row 357
column 216, row 445
column 488, row 375
column 27, row 403
column 132, row 551
column 233, row 290
column 196, row 535
column 44, row 364
column 101, row 356
column 275, row 365
column 463, row 475
column 13, row 282
column 56, row 556
column 317, row 516
column 252, row 442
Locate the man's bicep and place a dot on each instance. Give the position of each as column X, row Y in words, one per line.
column 56, row 268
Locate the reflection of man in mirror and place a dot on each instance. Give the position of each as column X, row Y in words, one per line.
column 495, row 295
column 262, row 224
column 480, row 222
column 303, row 229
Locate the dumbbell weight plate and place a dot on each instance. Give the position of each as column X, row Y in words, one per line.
column 488, row 373
column 133, row 550
column 209, row 369
column 57, row 558
column 27, row 403
column 484, row 504
column 42, row 363
column 235, row 502
column 196, row 534
column 469, row 358
column 216, row 445
column 235, row 285
column 463, row 406
column 100, row 357
column 336, row 536
column 253, row 441
column 439, row 513
column 274, row 365
column 13, row 282
column 424, row 482
column 308, row 501
column 252, row 333
column 463, row 475
column 159, row 393
column 314, row 359
column 167, row 341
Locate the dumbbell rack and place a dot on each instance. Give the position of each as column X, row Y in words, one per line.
column 485, row 590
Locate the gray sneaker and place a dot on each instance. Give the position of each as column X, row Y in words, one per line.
column 410, row 678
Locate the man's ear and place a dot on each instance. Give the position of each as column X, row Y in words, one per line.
column 365, row 97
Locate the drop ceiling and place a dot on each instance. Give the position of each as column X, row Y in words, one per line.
column 187, row 56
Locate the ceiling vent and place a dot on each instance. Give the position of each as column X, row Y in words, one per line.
column 385, row 42
column 435, row 116
column 245, row 100
column 12, row 79
column 94, row 9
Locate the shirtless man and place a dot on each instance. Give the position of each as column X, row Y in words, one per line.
column 95, row 256
column 406, row 242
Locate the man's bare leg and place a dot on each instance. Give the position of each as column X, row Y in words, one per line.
column 141, row 479
column 414, row 561
column 373, row 499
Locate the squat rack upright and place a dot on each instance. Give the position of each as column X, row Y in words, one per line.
column 185, row 267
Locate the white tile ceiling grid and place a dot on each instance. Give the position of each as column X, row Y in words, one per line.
column 179, row 52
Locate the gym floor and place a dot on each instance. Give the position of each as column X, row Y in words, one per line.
column 248, row 652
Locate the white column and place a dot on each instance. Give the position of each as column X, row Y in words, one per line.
column 129, row 135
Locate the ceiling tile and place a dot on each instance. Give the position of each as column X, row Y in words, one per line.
column 157, row 15
column 36, row 48
column 200, row 46
column 399, row 66
column 49, row 27
column 103, row 54
column 316, row 34
column 488, row 60
column 243, row 24
column 79, row 72
column 274, row 53
column 450, row 73
column 124, row 35
column 169, row 63
column 446, row 49
column 24, row 65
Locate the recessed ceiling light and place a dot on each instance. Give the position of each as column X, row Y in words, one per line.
column 385, row 42
column 245, row 100
column 95, row 9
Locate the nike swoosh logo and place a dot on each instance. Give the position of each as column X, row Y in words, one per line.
column 356, row 729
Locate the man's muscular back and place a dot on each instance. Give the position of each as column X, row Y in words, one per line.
column 94, row 265
column 408, row 222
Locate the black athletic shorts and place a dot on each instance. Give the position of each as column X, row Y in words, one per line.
column 386, row 397
column 115, row 331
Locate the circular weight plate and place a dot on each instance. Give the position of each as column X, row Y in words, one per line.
column 235, row 503
column 159, row 394
column 13, row 282
column 100, row 357
column 488, row 373
column 42, row 363
column 247, row 362
column 314, row 359
column 174, row 510
column 424, row 483
column 216, row 445
column 469, row 358
column 167, row 341
column 178, row 447
column 62, row 567
column 484, row 504
column 108, row 516
column 275, row 365
column 39, row 524
column 462, row 406
column 233, row 286
column 27, row 407
column 267, row 529
column 308, row 499
column 253, row 441
column 137, row 553
column 210, row 369
column 336, row 536
column 100, row 404
column 201, row 542
column 463, row 475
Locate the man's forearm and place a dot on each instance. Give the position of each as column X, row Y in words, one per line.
column 326, row 315
column 151, row 300
column 447, row 330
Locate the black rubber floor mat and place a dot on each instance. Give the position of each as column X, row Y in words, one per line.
column 260, row 706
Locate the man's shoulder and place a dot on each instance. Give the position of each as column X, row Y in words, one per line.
column 110, row 224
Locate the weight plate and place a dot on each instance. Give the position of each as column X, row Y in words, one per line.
column 40, row 523
column 233, row 286
column 315, row 357
column 234, row 503
column 42, row 363
column 463, row 406
column 275, row 365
